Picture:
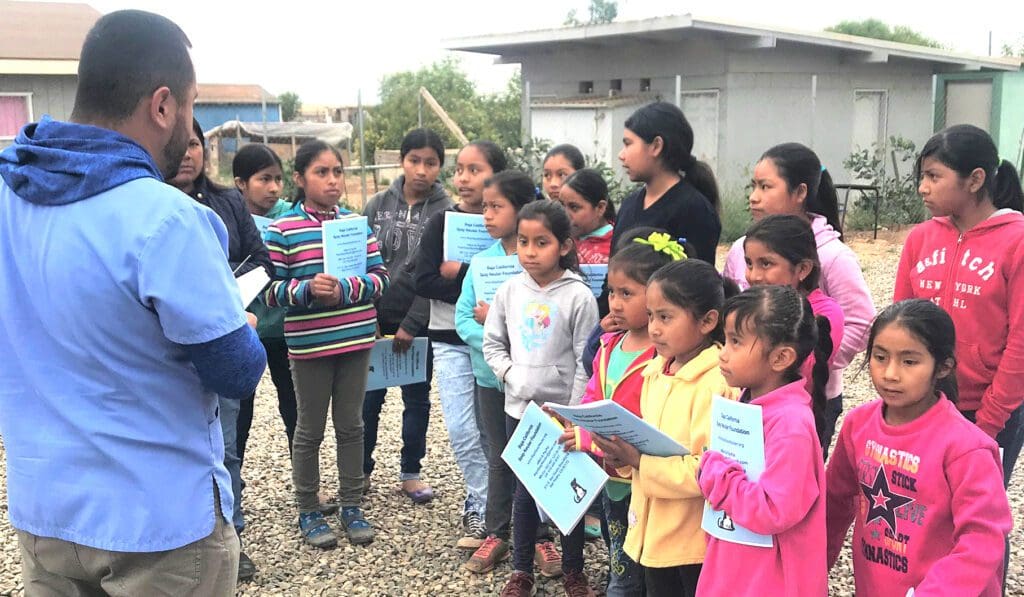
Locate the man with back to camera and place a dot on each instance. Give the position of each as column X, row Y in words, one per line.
column 121, row 323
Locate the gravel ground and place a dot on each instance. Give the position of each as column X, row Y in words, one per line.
column 414, row 553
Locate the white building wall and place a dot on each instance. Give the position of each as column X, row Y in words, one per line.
column 766, row 96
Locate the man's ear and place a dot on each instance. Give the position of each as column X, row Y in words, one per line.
column 162, row 108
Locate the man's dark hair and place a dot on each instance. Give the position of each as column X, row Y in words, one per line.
column 126, row 56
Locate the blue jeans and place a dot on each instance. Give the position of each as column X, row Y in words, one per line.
column 625, row 577
column 457, row 387
column 415, row 419
column 229, row 425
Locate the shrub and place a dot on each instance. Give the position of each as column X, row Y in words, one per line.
column 890, row 168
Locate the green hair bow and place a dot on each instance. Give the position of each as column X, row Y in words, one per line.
column 663, row 243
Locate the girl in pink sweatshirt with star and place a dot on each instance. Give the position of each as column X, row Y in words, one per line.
column 770, row 331
column 921, row 484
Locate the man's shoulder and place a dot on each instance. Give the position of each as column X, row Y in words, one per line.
column 154, row 203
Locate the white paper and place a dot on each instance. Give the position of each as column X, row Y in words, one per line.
column 251, row 283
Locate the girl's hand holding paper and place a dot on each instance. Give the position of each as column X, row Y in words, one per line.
column 617, row 452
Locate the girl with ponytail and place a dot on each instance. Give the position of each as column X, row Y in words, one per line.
column 679, row 193
column 968, row 260
column 770, row 331
column 789, row 179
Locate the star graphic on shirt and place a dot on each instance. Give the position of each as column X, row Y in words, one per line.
column 883, row 502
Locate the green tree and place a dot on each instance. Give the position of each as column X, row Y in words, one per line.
column 480, row 116
column 290, row 105
column 876, row 29
column 601, row 11
column 1015, row 50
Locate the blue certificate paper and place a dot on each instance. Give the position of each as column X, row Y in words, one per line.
column 737, row 431
column 594, row 275
column 262, row 223
column 345, row 247
column 464, row 236
column 491, row 272
column 562, row 483
column 607, row 418
column 389, row 369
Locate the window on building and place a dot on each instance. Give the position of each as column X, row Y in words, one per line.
column 645, row 85
column 615, row 85
column 15, row 112
column 586, row 87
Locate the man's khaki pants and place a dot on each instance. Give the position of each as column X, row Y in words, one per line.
column 205, row 568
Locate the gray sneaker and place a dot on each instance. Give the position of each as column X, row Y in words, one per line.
column 473, row 531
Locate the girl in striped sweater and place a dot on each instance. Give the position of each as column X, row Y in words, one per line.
column 330, row 328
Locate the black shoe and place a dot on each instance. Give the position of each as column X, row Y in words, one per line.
column 246, row 569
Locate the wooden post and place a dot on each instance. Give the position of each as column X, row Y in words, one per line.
column 447, row 120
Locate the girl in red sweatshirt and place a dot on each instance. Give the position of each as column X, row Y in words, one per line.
column 781, row 250
column 919, row 482
column 585, row 197
column 969, row 260
column 618, row 376
column 769, row 333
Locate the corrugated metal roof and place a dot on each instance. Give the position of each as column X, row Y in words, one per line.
column 229, row 93
column 44, row 30
column 335, row 134
column 518, row 44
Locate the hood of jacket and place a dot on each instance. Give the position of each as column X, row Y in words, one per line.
column 56, row 163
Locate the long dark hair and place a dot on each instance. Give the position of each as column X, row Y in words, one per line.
column 932, row 326
column 792, row 239
column 591, row 186
column 964, row 148
column 251, row 159
column 515, row 186
column 493, row 154
column 569, row 152
column 697, row 287
column 638, row 261
column 665, row 120
column 799, row 165
column 553, row 216
column 419, row 139
column 781, row 316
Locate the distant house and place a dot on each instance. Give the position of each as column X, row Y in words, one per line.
column 218, row 103
column 327, row 113
column 745, row 87
column 39, row 47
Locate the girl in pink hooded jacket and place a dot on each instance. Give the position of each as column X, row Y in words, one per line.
column 769, row 333
column 969, row 260
column 789, row 179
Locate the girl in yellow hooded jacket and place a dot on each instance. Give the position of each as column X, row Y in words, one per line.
column 684, row 302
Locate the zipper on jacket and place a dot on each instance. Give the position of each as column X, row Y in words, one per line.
column 947, row 292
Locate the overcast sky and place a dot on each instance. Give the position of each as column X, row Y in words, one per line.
column 327, row 53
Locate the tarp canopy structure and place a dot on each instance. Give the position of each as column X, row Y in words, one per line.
column 338, row 134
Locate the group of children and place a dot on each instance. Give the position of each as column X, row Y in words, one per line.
column 920, row 482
